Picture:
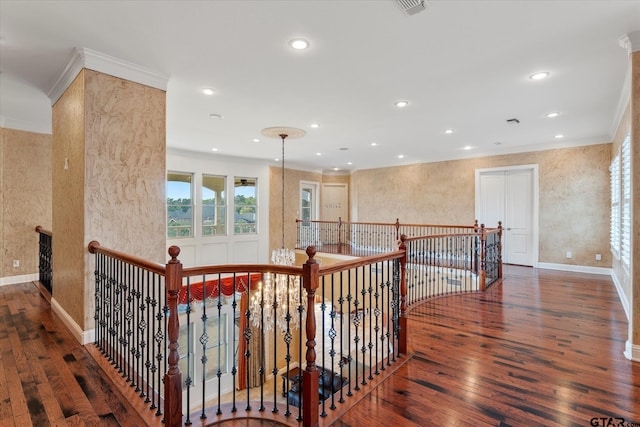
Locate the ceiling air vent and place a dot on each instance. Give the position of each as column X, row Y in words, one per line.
column 411, row 7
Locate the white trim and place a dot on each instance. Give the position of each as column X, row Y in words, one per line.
column 24, row 125
column 575, row 268
column 632, row 351
column 96, row 61
column 14, row 280
column 630, row 42
column 83, row 337
column 621, row 294
column 536, row 201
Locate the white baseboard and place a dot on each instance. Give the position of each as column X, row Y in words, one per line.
column 632, row 351
column 14, row 280
column 621, row 295
column 575, row 268
column 83, row 337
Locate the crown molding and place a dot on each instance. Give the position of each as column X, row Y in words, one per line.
column 630, row 42
column 25, row 125
column 103, row 63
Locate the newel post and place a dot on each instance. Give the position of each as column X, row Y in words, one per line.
column 482, row 285
column 499, row 249
column 173, row 377
column 310, row 397
column 402, row 344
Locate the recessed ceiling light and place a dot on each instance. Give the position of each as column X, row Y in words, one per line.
column 349, row 163
column 448, row 131
column 276, row 160
column 299, row 44
column 401, row 156
column 215, row 116
column 208, row 91
column 336, row 169
column 559, row 136
column 553, row 114
column 539, row 76
column 315, row 125
column 318, row 154
column 467, row 147
column 256, row 140
column 401, row 104
column 373, row 144
column 214, row 149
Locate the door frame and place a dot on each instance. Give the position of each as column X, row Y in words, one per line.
column 535, row 207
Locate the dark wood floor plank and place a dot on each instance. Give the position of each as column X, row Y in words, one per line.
column 543, row 348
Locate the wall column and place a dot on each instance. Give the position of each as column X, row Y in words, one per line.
column 108, row 170
column 632, row 43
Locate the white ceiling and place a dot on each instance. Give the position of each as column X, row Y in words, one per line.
column 461, row 64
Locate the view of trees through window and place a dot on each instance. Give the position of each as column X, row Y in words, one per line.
column 245, row 213
column 210, row 219
column 179, row 205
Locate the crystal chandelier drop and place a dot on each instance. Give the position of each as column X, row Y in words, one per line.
column 278, row 299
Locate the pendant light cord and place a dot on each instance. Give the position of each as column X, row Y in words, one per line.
column 283, row 136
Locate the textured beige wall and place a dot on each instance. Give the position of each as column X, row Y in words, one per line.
column 25, row 198
column 291, row 202
column 574, row 198
column 125, row 166
column 68, row 200
column 112, row 132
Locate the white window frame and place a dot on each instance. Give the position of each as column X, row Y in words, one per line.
column 614, row 171
column 625, row 199
column 194, row 215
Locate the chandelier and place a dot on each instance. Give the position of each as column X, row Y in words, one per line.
column 277, row 301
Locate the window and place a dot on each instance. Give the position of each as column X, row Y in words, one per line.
column 214, row 208
column 245, row 203
column 614, row 171
column 179, row 205
column 625, row 225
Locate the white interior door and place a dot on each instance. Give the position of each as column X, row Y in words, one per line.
column 510, row 195
column 335, row 202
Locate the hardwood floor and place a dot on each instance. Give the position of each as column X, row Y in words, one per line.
column 543, row 348
column 46, row 377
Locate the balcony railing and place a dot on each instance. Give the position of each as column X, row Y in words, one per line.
column 364, row 238
column 209, row 343
column 45, row 269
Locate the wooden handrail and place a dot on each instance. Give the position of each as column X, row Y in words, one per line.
column 390, row 224
column 242, row 268
column 359, row 262
column 434, row 236
column 41, row 230
column 95, row 248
